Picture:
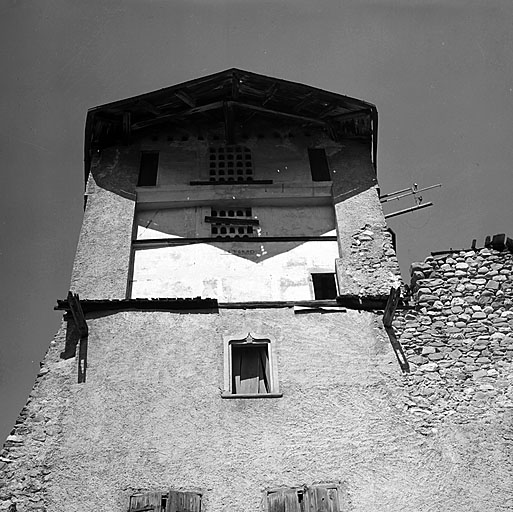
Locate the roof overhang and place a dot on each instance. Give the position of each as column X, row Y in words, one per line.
column 227, row 93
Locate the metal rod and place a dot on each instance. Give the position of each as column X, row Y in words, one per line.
column 411, row 192
column 408, row 210
column 395, row 193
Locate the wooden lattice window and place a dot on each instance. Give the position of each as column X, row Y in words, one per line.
column 230, row 163
column 233, row 222
column 171, row 501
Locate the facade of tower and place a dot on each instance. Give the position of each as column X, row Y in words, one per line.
column 223, row 346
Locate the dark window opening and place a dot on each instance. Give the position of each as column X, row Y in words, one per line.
column 325, row 285
column 148, row 169
column 319, row 164
column 250, row 369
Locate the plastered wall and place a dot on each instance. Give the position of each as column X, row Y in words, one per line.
column 234, row 271
column 150, row 417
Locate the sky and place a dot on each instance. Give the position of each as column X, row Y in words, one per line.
column 439, row 71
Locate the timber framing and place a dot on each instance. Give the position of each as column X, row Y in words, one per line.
column 224, row 96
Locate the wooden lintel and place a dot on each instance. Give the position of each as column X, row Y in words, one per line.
column 182, row 95
column 234, row 221
column 391, row 306
column 78, row 314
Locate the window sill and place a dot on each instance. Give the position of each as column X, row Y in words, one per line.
column 225, row 394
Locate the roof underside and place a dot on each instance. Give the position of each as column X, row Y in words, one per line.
column 224, row 96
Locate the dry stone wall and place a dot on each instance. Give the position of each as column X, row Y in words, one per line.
column 458, row 339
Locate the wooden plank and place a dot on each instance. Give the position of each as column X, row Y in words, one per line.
column 179, row 501
column 78, row 314
column 229, row 130
column 162, row 242
column 188, row 100
column 323, row 498
column 231, row 183
column 236, row 221
column 145, row 502
column 391, row 306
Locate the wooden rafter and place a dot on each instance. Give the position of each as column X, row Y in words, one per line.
column 188, row 100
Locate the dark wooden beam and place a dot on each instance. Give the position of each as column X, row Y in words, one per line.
column 391, row 306
column 127, row 122
column 163, row 242
column 188, row 100
column 233, row 221
column 229, row 129
column 305, row 101
column 146, row 105
column 78, row 314
column 269, row 95
column 235, row 86
column 256, row 108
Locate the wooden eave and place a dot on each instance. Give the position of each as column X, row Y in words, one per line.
column 246, row 92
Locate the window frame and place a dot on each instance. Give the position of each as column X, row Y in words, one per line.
column 319, row 165
column 154, row 171
column 257, row 340
column 314, row 279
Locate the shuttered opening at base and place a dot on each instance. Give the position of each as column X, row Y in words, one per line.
column 172, row 501
column 315, row 498
column 286, row 500
column 250, row 369
column 148, row 169
column 325, row 285
column 319, row 164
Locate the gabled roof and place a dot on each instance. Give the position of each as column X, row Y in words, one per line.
column 235, row 89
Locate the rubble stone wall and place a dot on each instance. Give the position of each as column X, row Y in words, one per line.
column 458, row 339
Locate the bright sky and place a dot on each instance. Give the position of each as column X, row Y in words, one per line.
column 439, row 71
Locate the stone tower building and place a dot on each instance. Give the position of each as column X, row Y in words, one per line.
column 223, row 347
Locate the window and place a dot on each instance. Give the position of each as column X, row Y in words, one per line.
column 250, row 367
column 148, row 169
column 230, row 163
column 331, row 497
column 236, row 222
column 325, row 285
column 172, row 501
column 319, row 164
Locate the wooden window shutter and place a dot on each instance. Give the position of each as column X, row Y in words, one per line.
column 285, row 500
column 147, row 502
column 323, row 498
column 183, row 502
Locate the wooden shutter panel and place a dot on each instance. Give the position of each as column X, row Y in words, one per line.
column 183, row 502
column 323, row 498
column 284, row 500
column 147, row 502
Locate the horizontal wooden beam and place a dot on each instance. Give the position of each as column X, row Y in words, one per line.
column 162, row 242
column 233, row 182
column 234, row 221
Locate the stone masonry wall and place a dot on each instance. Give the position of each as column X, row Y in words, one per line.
column 459, row 340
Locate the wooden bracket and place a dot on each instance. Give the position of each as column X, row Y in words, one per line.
column 391, row 306
column 80, row 322
column 78, row 314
